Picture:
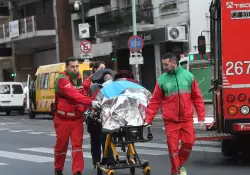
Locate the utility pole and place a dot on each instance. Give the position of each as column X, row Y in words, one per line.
column 82, row 11
column 136, row 68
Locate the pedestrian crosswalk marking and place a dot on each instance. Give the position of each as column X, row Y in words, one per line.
column 4, row 129
column 3, row 164
column 20, row 130
column 7, row 123
column 36, row 133
column 151, row 149
column 88, row 155
column 51, row 151
column 84, row 136
column 26, row 157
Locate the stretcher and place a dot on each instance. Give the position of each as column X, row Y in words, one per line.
column 125, row 138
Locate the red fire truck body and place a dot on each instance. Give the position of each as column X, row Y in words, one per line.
column 230, row 53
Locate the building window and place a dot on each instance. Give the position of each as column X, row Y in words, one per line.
column 169, row 7
column 124, row 3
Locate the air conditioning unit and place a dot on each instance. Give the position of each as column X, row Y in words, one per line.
column 177, row 33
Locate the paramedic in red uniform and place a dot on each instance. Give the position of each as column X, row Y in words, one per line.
column 176, row 91
column 70, row 104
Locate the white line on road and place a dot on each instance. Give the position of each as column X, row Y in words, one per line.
column 88, row 154
column 139, row 151
column 3, row 164
column 20, row 130
column 85, row 136
column 26, row 157
column 7, row 123
column 4, row 129
column 51, row 151
column 35, row 133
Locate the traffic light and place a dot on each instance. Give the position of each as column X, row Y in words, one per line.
column 13, row 75
column 191, row 57
column 202, row 44
column 112, row 56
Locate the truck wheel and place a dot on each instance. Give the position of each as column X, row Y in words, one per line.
column 21, row 112
column 227, row 148
column 8, row 113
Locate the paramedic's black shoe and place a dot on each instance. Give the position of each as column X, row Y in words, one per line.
column 78, row 173
column 58, row 172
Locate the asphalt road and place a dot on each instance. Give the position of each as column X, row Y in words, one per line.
column 26, row 147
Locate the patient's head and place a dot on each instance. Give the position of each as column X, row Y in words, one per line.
column 107, row 77
column 124, row 74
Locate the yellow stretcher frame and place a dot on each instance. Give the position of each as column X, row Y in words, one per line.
column 132, row 160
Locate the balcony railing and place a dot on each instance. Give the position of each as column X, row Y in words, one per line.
column 26, row 25
column 120, row 19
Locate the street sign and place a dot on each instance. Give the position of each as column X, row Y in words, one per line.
column 85, row 46
column 84, row 30
column 87, row 56
column 136, row 58
column 135, row 43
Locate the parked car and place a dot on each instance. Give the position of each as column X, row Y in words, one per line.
column 12, row 97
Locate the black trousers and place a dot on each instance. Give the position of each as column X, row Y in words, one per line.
column 97, row 142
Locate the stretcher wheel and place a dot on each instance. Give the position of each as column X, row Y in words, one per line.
column 111, row 172
column 146, row 170
column 132, row 170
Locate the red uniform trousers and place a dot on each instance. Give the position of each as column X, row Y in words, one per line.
column 66, row 128
column 183, row 131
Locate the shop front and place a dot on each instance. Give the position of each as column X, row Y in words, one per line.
column 148, row 69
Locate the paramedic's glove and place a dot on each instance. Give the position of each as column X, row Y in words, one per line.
column 96, row 104
column 201, row 124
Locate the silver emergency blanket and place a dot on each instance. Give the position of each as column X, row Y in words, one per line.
column 126, row 109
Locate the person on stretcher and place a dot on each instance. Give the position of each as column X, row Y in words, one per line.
column 123, row 102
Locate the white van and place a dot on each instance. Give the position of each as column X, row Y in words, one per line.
column 12, row 97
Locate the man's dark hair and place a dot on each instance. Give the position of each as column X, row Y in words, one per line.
column 171, row 56
column 70, row 59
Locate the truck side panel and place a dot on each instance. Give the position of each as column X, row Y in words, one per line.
column 235, row 60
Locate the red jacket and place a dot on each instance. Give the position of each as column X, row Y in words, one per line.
column 70, row 102
column 86, row 85
column 176, row 93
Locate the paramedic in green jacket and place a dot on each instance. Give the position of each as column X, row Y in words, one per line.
column 176, row 92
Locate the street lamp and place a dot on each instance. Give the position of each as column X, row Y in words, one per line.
column 77, row 5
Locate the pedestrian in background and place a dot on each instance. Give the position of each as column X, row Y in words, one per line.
column 93, row 127
column 176, row 91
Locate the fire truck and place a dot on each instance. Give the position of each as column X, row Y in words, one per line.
column 230, row 58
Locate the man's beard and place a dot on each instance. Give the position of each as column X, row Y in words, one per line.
column 169, row 70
